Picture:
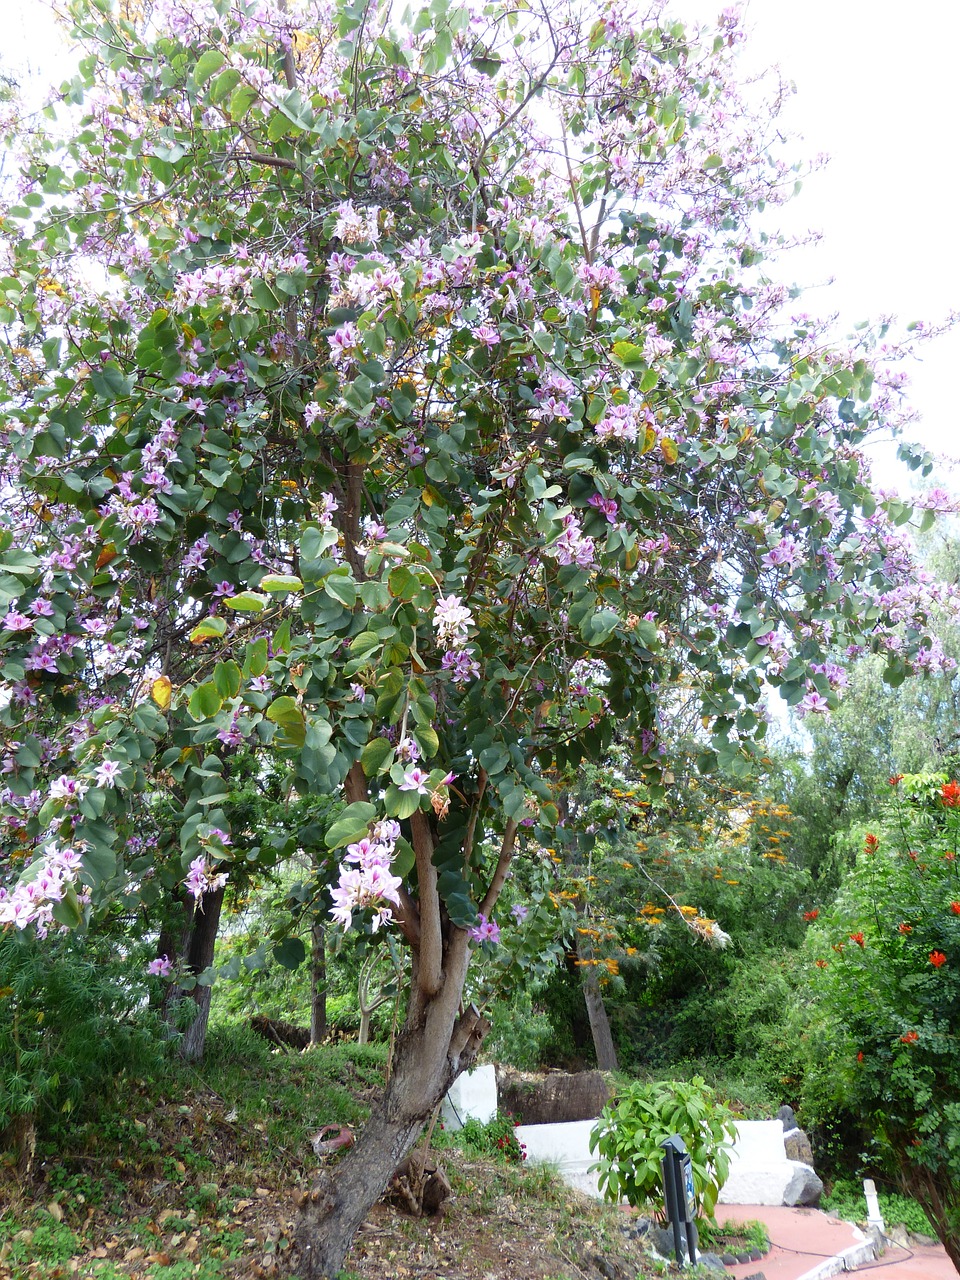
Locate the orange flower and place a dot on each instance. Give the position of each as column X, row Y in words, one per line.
column 858, row 939
column 895, row 780
column 905, row 928
column 870, row 843
column 937, row 958
column 910, row 1038
column 955, row 908
column 811, row 915
column 950, row 794
column 821, row 964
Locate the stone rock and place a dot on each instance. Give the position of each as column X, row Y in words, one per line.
column 712, row 1262
column 789, row 1119
column 554, row 1098
column 662, row 1240
column 797, row 1146
column 804, row 1187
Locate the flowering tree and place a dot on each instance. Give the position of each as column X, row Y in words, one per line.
column 887, row 975
column 410, row 406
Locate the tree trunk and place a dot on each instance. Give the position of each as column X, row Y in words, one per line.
column 599, row 1022
column 196, row 946
column 318, row 981
column 435, row 1046
column 940, row 1201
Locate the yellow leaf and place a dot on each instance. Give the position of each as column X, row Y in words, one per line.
column 160, row 692
column 669, row 450
column 649, row 440
column 302, row 40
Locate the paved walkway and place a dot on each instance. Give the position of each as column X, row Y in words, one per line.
column 804, row 1241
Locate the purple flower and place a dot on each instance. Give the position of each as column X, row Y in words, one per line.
column 485, row 931
column 519, row 912
column 415, row 779
column 107, row 773
column 162, row 967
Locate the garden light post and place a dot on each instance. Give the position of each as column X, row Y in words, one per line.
column 680, row 1198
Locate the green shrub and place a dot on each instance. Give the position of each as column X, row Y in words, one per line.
column 884, row 978
column 634, row 1124
column 73, row 1017
column 496, row 1138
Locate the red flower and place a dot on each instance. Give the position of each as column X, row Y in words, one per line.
column 910, row 1038
column 858, row 939
column 937, row 958
column 871, row 843
column 905, row 928
column 950, row 794
column 955, row 908
column 895, row 780
column 812, row 915
column 950, row 857
column 821, row 964
column 860, row 1056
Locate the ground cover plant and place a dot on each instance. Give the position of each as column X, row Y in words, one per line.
column 392, row 407
column 192, row 1178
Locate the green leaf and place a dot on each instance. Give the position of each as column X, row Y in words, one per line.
column 264, row 297
column 400, row 804
column 290, row 953
column 342, row 588
column 351, row 825
column 374, row 755
column 247, row 602
column 255, row 661
column 205, row 701
column 227, row 677
column 224, row 85
column 285, row 712
column 207, row 64
column 279, row 582
column 208, row 629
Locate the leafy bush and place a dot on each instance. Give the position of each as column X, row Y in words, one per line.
column 634, row 1124
column 71, row 1019
column 885, row 983
column 846, row 1200
column 496, row 1138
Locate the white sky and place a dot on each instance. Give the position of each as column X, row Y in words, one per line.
column 874, row 91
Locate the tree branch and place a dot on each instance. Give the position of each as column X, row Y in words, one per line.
column 430, row 969
column 503, row 866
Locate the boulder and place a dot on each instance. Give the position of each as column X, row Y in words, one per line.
column 789, row 1119
column 797, row 1146
column 803, row 1188
column 554, row 1098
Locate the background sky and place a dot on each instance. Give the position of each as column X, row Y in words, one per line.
column 874, row 91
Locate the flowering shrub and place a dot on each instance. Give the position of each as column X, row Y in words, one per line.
column 892, row 1000
column 496, row 1138
column 632, row 1126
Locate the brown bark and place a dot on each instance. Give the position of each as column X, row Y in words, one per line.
column 599, row 1022
column 201, row 920
column 318, row 981
column 436, row 1044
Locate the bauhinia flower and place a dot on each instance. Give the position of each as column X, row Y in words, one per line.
column 162, row 967
column 451, row 619
column 485, row 931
